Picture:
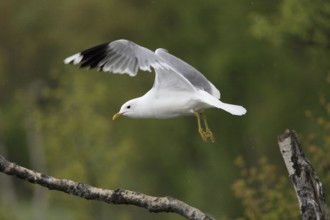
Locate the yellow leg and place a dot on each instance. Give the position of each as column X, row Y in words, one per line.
column 208, row 132
column 200, row 129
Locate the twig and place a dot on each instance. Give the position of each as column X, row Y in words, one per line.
column 307, row 185
column 118, row 196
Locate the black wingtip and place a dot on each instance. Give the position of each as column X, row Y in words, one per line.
column 92, row 56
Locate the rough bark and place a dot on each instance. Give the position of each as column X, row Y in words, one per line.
column 307, row 185
column 117, row 196
column 7, row 190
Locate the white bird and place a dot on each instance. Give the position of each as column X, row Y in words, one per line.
column 179, row 89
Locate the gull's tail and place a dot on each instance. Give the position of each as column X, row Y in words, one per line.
column 213, row 101
column 233, row 109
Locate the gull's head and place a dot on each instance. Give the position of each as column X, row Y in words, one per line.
column 131, row 108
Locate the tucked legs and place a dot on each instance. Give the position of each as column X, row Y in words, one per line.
column 207, row 134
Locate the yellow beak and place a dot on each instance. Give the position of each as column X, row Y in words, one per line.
column 117, row 115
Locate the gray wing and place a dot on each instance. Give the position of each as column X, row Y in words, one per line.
column 120, row 56
column 171, row 81
column 196, row 78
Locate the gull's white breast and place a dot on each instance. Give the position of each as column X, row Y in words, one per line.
column 171, row 104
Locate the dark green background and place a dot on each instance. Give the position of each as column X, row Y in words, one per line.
column 272, row 57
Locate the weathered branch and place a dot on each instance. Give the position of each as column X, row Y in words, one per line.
column 118, row 196
column 307, row 185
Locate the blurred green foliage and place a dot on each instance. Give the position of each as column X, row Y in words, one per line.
column 267, row 193
column 270, row 56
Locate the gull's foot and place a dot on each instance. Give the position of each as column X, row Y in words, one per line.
column 209, row 135
column 203, row 134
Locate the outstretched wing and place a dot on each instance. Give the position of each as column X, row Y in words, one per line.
column 120, row 56
column 196, row 78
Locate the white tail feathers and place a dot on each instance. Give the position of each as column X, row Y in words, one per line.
column 232, row 109
column 213, row 101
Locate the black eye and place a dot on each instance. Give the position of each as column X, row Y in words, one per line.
column 128, row 106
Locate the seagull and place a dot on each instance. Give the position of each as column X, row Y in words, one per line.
column 178, row 90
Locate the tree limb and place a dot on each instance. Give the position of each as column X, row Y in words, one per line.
column 307, row 185
column 118, row 196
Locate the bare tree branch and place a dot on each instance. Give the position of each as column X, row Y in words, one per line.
column 118, row 196
column 307, row 185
